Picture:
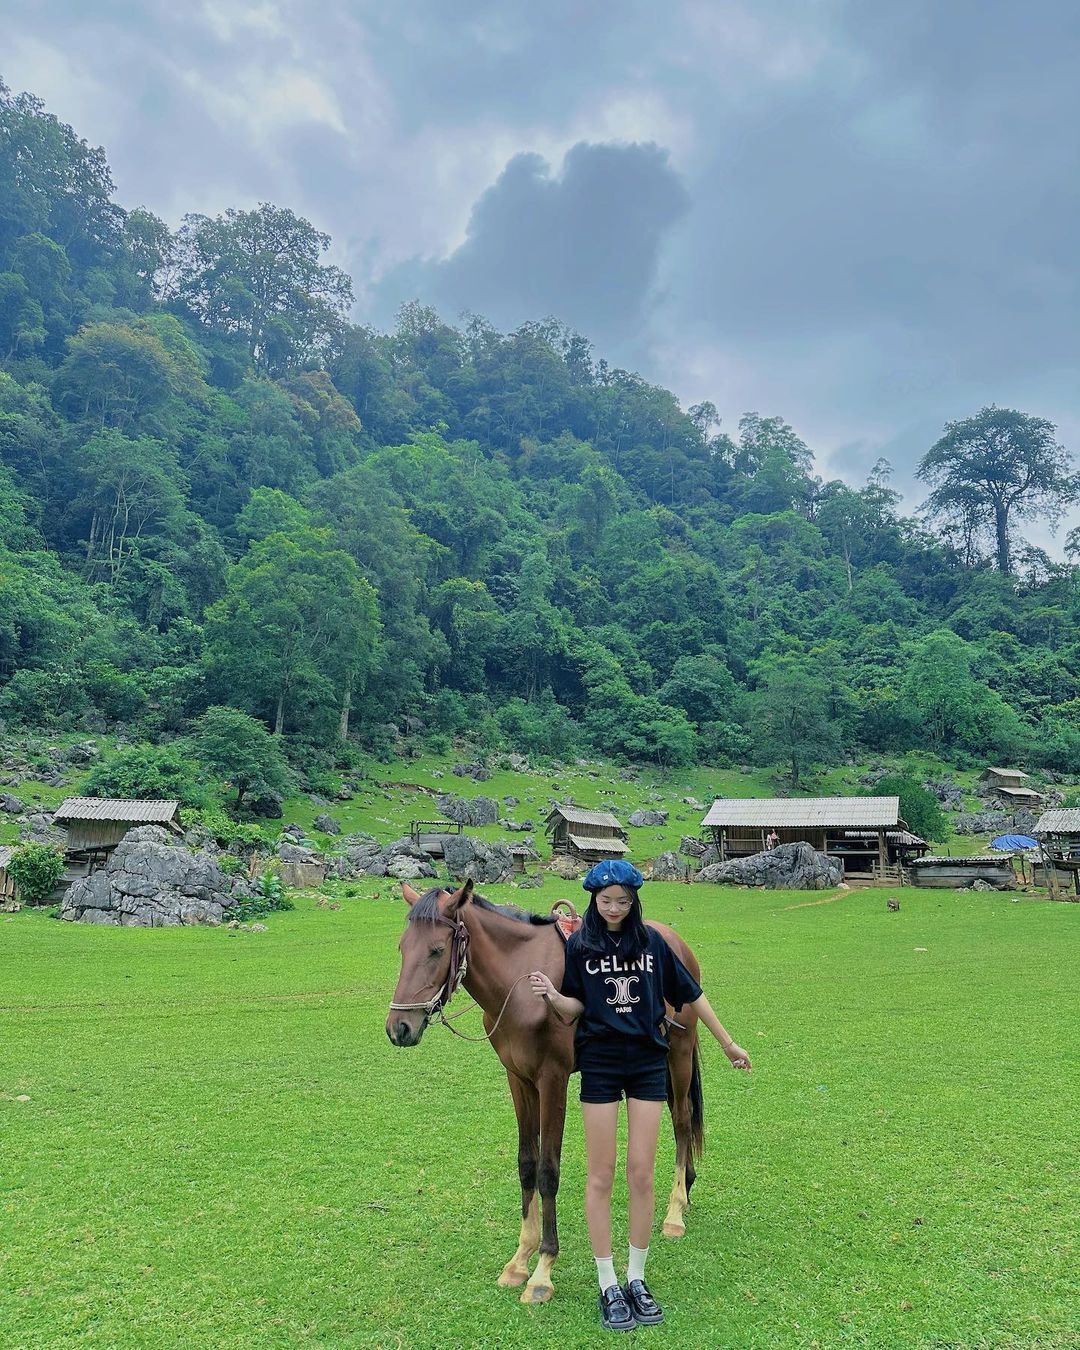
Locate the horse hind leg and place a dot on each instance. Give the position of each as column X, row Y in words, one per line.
column 527, row 1109
column 682, row 1071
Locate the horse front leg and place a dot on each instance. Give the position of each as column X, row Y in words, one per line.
column 527, row 1110
column 552, row 1122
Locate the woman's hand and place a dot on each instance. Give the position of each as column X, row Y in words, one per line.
column 738, row 1056
column 541, row 985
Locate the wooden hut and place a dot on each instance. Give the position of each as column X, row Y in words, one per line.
column 1058, row 833
column 1012, row 787
column 586, row 835
column 854, row 830
column 95, row 825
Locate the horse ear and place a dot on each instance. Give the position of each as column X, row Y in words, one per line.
column 459, row 897
column 408, row 894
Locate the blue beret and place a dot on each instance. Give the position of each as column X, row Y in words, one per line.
column 612, row 872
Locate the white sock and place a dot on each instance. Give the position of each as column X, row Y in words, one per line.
column 605, row 1272
column 635, row 1269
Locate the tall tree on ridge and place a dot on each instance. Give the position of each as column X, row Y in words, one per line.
column 997, row 467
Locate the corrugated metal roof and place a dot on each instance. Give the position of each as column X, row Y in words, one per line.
column 578, row 815
column 120, row 808
column 1065, row 820
column 591, row 843
column 1009, row 773
column 1025, row 794
column 805, row 812
column 893, row 837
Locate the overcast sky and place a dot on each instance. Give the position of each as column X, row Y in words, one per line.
column 861, row 216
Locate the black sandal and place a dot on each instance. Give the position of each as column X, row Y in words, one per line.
column 615, row 1314
column 647, row 1312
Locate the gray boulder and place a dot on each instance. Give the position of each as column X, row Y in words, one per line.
column 649, row 816
column 668, row 867
column 484, row 863
column 266, row 808
column 297, row 853
column 153, row 881
column 532, row 882
column 981, row 822
column 471, row 811
column 12, row 805
column 790, row 867
column 327, row 824
column 39, row 828
column 693, row 847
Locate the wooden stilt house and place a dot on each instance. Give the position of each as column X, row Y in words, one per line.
column 866, row 834
column 586, row 835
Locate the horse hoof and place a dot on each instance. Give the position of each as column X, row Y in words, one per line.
column 512, row 1276
column 536, row 1293
column 673, row 1230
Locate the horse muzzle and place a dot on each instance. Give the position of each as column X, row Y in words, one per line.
column 402, row 1032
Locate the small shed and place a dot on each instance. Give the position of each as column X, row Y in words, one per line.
column 522, row 854
column 1012, row 787
column 854, row 830
column 95, row 825
column 430, row 835
column 586, row 835
column 955, row 873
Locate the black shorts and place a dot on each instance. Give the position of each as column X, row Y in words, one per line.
column 608, row 1075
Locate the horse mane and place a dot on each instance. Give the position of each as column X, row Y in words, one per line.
column 427, row 907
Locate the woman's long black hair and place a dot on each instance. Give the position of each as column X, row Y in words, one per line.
column 593, row 934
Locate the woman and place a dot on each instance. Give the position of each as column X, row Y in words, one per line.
column 619, row 972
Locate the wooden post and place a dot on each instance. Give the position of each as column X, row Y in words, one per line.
column 881, row 854
column 722, row 840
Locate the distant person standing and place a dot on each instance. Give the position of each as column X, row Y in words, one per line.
column 771, row 839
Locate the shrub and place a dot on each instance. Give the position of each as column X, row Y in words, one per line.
column 269, row 896
column 36, row 870
column 143, row 771
column 227, row 832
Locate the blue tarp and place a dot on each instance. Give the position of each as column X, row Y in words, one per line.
column 1013, row 843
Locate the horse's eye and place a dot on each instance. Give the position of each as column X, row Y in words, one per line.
column 437, row 951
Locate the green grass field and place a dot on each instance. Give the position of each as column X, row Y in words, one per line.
column 221, row 1148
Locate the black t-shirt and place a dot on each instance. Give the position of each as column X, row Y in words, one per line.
column 624, row 1000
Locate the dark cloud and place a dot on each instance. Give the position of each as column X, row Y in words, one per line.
column 582, row 244
column 858, row 216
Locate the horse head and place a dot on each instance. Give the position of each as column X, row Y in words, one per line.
column 432, row 954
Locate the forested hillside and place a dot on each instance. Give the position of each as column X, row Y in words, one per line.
column 217, row 491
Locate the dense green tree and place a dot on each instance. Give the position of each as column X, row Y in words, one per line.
column 919, row 809
column 295, row 633
column 791, row 723
column 239, row 749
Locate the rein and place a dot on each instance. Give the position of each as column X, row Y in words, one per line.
column 435, row 1007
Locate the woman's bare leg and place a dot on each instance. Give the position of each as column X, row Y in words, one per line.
column 601, row 1122
column 643, row 1122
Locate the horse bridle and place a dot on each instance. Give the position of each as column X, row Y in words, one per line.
column 455, row 975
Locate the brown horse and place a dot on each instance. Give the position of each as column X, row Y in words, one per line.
column 455, row 938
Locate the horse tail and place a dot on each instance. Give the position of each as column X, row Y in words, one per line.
column 697, row 1108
